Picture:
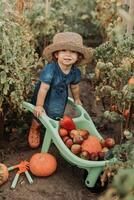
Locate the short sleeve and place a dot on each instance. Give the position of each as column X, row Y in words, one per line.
column 77, row 76
column 47, row 73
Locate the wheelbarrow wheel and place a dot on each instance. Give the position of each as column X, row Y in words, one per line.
column 98, row 188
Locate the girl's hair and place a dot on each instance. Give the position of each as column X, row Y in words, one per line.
column 80, row 57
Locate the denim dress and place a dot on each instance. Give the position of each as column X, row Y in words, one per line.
column 57, row 95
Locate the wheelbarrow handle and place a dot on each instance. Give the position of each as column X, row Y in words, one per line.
column 31, row 107
column 29, row 178
column 81, row 111
column 15, row 180
column 83, row 115
column 11, row 168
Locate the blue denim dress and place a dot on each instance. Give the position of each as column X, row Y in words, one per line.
column 57, row 95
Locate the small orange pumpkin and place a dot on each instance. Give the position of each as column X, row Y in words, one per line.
column 4, row 174
column 91, row 144
column 43, row 164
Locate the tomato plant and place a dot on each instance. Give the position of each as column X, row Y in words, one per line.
column 17, row 59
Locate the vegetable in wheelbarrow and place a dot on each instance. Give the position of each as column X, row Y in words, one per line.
column 67, row 123
column 82, row 143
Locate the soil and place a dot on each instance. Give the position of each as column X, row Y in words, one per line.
column 66, row 183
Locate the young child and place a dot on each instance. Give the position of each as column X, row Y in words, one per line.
column 51, row 91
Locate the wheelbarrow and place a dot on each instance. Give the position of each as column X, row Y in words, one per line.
column 83, row 121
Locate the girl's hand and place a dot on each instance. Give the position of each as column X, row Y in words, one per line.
column 38, row 111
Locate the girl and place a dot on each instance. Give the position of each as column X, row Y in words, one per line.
column 51, row 91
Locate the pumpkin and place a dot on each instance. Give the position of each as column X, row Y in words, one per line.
column 42, row 164
column 91, row 144
column 4, row 174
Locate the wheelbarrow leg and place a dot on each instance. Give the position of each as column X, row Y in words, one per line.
column 93, row 174
column 46, row 142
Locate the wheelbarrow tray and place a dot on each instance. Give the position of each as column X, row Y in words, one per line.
column 83, row 121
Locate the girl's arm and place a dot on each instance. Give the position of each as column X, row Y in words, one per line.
column 40, row 99
column 75, row 90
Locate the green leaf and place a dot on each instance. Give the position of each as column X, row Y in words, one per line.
column 3, row 77
column 1, row 101
column 6, row 88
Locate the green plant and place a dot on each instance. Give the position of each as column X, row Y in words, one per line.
column 61, row 16
column 106, row 15
column 17, row 59
column 120, row 174
column 114, row 68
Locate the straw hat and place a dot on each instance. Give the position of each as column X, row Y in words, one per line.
column 68, row 41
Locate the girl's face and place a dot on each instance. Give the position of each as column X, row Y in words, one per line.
column 66, row 57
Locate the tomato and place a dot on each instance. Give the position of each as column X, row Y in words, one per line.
column 63, row 132
column 114, row 108
column 109, row 142
column 126, row 113
column 131, row 81
column 67, row 123
column 76, row 149
column 69, row 142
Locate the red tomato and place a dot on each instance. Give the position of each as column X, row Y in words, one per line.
column 67, row 123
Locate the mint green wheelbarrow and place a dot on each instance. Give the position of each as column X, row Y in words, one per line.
column 83, row 121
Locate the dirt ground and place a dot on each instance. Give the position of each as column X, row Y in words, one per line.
column 66, row 183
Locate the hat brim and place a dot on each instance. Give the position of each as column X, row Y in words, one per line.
column 86, row 52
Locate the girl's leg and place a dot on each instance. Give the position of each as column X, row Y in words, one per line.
column 34, row 134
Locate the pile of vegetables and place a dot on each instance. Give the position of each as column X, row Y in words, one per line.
column 82, row 143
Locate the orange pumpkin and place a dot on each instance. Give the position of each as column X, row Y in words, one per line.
column 4, row 174
column 43, row 164
column 91, row 144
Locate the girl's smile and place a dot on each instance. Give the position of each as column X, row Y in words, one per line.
column 66, row 58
